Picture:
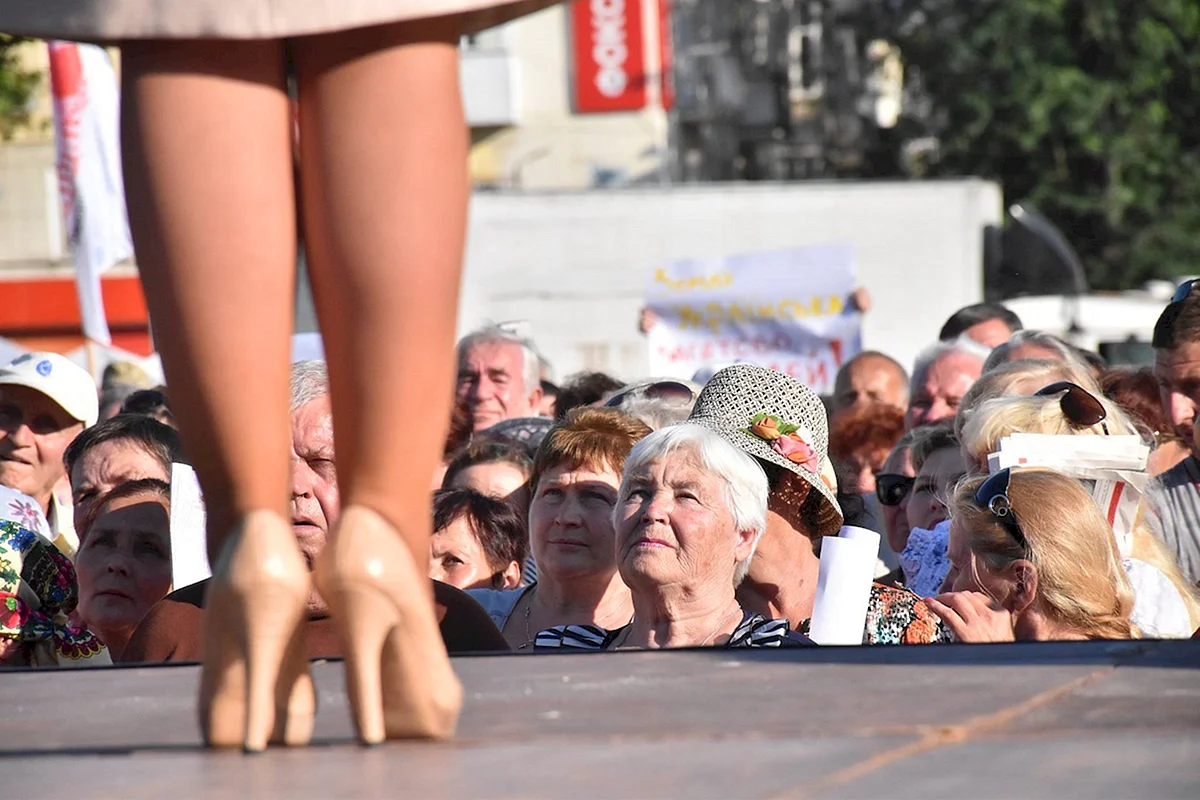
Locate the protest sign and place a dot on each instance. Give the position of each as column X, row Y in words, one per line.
column 786, row 310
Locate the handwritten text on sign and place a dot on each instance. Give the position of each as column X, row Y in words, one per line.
column 785, row 310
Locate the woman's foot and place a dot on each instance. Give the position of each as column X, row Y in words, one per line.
column 398, row 675
column 255, row 687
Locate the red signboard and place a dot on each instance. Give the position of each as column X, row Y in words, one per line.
column 610, row 62
column 666, row 54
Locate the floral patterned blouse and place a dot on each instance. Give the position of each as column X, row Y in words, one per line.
column 897, row 616
column 38, row 591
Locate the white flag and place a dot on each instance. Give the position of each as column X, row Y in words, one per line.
column 86, row 111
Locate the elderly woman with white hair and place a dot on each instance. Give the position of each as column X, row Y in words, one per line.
column 689, row 514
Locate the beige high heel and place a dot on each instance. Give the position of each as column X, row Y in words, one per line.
column 255, row 686
column 398, row 676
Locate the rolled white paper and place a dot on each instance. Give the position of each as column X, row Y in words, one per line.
column 189, row 553
column 861, row 534
column 844, row 588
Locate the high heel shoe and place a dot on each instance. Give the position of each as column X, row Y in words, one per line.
column 398, row 675
column 255, row 686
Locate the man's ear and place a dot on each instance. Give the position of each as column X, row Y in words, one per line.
column 510, row 578
column 1023, row 579
column 535, row 400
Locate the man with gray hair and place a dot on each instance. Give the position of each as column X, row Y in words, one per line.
column 941, row 376
column 171, row 630
column 498, row 377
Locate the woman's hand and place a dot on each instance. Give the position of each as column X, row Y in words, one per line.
column 973, row 617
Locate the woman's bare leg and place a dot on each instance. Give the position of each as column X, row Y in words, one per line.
column 383, row 163
column 209, row 180
column 209, row 183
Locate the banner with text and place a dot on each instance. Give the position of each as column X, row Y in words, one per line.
column 786, row 310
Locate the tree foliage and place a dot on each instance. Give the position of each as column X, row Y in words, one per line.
column 17, row 86
column 1088, row 109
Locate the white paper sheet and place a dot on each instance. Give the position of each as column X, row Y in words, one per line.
column 844, row 587
column 189, row 552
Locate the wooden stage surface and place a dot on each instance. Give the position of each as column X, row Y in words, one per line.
column 1086, row 720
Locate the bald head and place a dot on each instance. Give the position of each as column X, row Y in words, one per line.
column 868, row 378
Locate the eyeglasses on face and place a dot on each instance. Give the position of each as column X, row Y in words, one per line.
column 1081, row 408
column 992, row 495
column 891, row 489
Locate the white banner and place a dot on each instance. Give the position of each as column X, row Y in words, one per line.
column 86, row 132
column 786, row 310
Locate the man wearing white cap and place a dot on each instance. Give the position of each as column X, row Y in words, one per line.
column 45, row 402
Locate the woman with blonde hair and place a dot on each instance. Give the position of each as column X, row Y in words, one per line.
column 1067, row 409
column 1032, row 559
column 1020, row 378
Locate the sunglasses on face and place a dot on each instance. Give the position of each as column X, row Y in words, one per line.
column 1184, row 290
column 1081, row 408
column 672, row 391
column 892, row 489
column 992, row 495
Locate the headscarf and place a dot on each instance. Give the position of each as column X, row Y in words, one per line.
column 38, row 590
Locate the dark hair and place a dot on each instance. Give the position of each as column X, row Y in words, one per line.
column 584, row 389
column 127, row 489
column 498, row 526
column 1179, row 324
column 489, row 451
column 149, row 403
column 549, row 389
column 159, row 440
column 930, row 439
column 1136, row 392
column 969, row 316
column 1094, row 360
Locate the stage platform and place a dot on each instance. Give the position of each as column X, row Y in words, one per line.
column 1080, row 720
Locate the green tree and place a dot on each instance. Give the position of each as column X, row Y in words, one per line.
column 1088, row 109
column 17, row 86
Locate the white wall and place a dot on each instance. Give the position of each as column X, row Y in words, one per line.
column 575, row 264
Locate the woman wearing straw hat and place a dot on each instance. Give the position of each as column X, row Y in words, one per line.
column 781, row 422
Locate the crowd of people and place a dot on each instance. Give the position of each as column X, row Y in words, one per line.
column 602, row 515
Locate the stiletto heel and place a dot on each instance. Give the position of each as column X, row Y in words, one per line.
column 398, row 675
column 255, row 685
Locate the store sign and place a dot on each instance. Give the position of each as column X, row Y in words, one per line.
column 610, row 63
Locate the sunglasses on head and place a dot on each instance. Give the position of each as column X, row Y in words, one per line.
column 992, row 495
column 892, row 489
column 1184, row 290
column 1081, row 408
column 662, row 390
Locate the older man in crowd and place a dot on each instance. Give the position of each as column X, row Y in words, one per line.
column 1175, row 495
column 498, row 377
column 986, row 324
column 171, row 630
column 870, row 378
column 941, row 376
column 45, row 402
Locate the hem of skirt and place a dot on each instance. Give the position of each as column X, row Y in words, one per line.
column 48, row 22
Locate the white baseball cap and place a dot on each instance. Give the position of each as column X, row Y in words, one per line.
column 58, row 378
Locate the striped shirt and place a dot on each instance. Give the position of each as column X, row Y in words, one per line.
column 1174, row 499
column 753, row 631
